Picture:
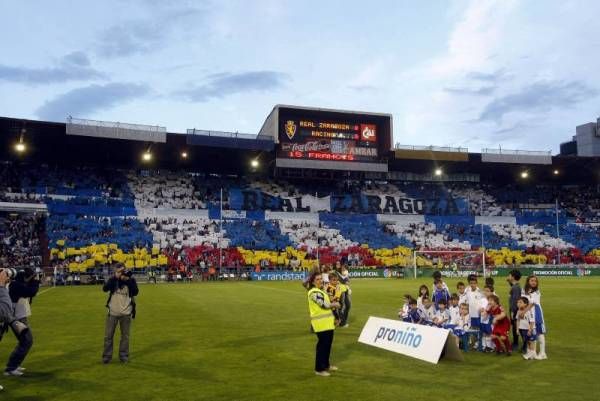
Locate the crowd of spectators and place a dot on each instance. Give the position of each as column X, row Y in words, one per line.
column 20, row 240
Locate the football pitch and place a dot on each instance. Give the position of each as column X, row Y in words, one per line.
column 251, row 341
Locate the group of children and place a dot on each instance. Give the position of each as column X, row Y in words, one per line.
column 474, row 311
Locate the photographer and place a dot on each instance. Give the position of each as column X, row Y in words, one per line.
column 7, row 318
column 21, row 290
column 121, row 310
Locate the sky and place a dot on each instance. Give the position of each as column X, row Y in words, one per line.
column 475, row 74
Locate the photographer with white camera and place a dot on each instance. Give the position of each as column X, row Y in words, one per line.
column 121, row 310
column 21, row 290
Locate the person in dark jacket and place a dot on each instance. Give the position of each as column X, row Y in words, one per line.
column 121, row 310
column 21, row 290
column 515, row 293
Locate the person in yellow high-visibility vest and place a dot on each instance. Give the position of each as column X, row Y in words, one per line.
column 322, row 322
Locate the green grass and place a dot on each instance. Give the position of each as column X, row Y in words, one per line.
column 250, row 341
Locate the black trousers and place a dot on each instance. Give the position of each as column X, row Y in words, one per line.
column 323, row 350
column 25, row 341
column 347, row 303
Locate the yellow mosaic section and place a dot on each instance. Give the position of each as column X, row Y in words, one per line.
column 98, row 255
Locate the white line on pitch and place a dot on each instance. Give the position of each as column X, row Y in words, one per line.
column 46, row 290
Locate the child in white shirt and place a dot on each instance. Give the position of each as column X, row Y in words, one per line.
column 442, row 315
column 486, row 321
column 462, row 295
column 454, row 309
column 428, row 310
column 423, row 292
column 473, row 297
column 526, row 326
column 403, row 313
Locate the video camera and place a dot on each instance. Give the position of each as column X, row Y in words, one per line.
column 10, row 272
column 127, row 273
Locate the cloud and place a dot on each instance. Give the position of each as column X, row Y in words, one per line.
column 225, row 84
column 538, row 97
column 483, row 91
column 142, row 36
column 83, row 102
column 486, row 77
column 363, row 88
column 72, row 67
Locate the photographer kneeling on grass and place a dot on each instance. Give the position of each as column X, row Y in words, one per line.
column 121, row 310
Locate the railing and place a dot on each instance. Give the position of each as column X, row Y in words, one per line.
column 517, row 152
column 431, row 148
column 405, row 176
column 222, row 134
column 117, row 125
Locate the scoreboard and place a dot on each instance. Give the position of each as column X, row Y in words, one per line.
column 305, row 134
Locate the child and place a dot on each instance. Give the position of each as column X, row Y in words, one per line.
column 442, row 315
column 489, row 282
column 403, row 313
column 334, row 290
column 325, row 275
column 437, row 275
column 501, row 326
column 462, row 295
column 440, row 294
column 428, row 310
column 415, row 314
column 454, row 309
column 485, row 320
column 526, row 324
column 464, row 321
column 532, row 293
column 473, row 297
column 423, row 292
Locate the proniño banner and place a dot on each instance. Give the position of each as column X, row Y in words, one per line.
column 418, row 341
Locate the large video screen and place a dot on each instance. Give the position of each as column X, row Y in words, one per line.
column 330, row 136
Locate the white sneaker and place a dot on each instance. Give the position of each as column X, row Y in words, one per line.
column 15, row 372
column 346, row 325
column 529, row 355
column 22, row 369
column 541, row 357
column 333, row 368
column 1, row 388
column 323, row 373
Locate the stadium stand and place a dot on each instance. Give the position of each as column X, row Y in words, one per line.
column 167, row 218
column 20, row 240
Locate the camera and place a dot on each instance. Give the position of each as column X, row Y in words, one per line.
column 10, row 272
column 127, row 273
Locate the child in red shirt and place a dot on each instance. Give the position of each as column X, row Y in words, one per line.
column 500, row 325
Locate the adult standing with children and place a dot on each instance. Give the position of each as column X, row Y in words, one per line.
column 322, row 322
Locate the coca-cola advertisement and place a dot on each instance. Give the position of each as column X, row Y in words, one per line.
column 310, row 146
